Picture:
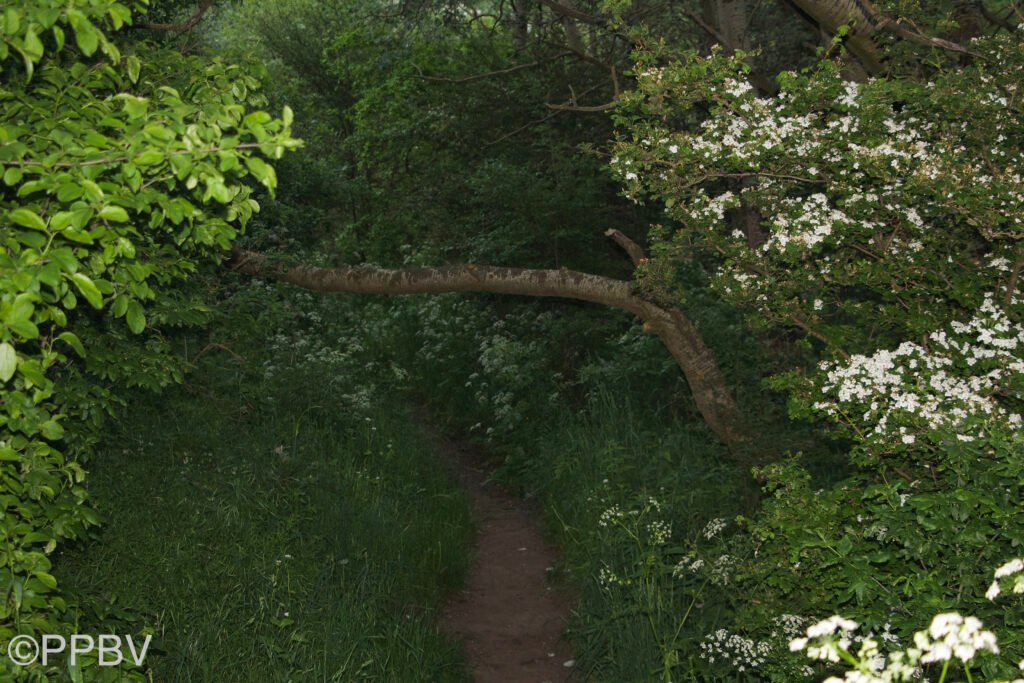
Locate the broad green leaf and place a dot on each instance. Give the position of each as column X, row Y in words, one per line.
column 87, row 38
column 134, row 66
column 135, row 317
column 88, row 289
column 52, row 430
column 28, row 218
column 114, row 213
column 8, row 361
column 32, row 46
column 71, row 339
column 149, row 157
column 12, row 176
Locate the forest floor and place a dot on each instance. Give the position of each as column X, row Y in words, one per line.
column 508, row 615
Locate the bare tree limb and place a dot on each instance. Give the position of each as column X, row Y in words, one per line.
column 635, row 251
column 188, row 25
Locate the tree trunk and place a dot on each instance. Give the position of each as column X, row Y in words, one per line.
column 733, row 22
column 710, row 392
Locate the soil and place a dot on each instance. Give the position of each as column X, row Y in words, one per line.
column 508, row 615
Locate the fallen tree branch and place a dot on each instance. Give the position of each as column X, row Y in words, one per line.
column 710, row 392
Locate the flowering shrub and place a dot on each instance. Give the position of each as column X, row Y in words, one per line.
column 881, row 222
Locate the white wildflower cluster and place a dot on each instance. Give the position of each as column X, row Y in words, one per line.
column 734, row 650
column 688, row 565
column 1013, row 569
column 659, row 531
column 826, row 638
column 712, row 528
column 941, row 386
column 610, row 516
column 722, row 569
column 788, row 625
column 607, row 579
column 950, row 636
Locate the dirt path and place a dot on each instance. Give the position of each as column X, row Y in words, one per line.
column 508, row 615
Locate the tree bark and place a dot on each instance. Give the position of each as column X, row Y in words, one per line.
column 862, row 18
column 710, row 391
column 733, row 22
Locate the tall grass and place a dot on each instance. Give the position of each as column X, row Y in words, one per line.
column 634, row 621
column 276, row 541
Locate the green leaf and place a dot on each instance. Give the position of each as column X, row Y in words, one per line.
column 134, row 67
column 71, row 339
column 87, row 38
column 52, row 430
column 136, row 317
column 68, row 192
column 88, row 289
column 28, row 218
column 114, row 213
column 149, row 157
column 8, row 361
column 32, row 46
column 12, row 176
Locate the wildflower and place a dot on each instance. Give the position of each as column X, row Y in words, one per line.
column 712, row 528
column 951, row 635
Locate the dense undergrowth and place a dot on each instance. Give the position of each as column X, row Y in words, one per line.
column 271, row 521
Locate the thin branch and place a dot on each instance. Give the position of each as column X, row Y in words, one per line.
column 752, row 174
column 585, row 108
column 521, row 128
column 819, row 336
column 573, row 13
column 635, row 251
column 499, row 72
column 571, row 105
column 117, row 160
column 709, row 29
column 187, row 26
column 915, row 36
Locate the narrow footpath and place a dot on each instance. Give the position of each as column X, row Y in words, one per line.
column 508, row 615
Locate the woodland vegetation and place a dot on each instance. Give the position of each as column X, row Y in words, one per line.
column 731, row 288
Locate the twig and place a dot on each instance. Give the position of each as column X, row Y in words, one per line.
column 520, row 129
column 915, row 36
column 113, row 160
column 499, row 72
column 187, row 26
